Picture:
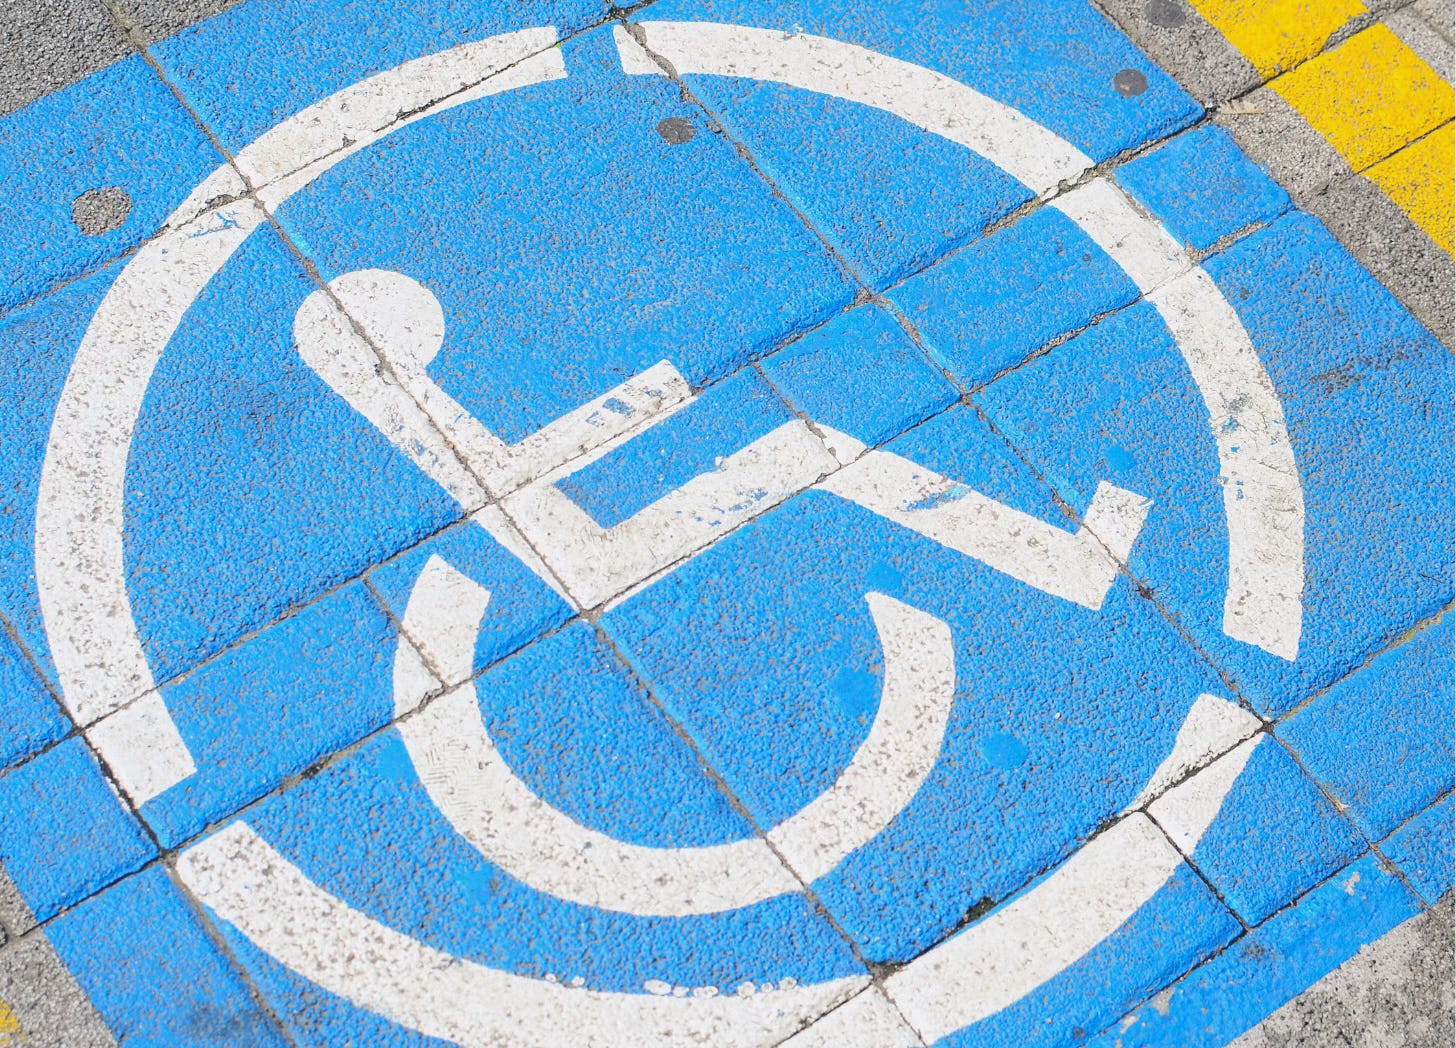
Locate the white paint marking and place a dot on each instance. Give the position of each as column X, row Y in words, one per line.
column 1212, row 726
column 247, row 883
column 1075, row 567
column 867, row 1019
column 1140, row 246
column 514, row 828
column 141, row 746
column 1263, row 499
column 1016, row 948
column 80, row 565
column 1262, row 496
column 596, row 564
column 1188, row 809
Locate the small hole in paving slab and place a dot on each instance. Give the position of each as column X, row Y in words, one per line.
column 1169, row 14
column 1129, row 82
column 675, row 130
column 99, row 211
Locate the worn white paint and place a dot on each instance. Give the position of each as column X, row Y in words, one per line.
column 1212, row 727
column 1011, row 951
column 1075, row 566
column 1263, row 499
column 513, row 827
column 79, row 563
column 269, row 900
column 1188, row 809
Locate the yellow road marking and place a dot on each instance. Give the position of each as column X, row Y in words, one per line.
column 1419, row 179
column 1369, row 96
column 1277, row 35
column 11, row 1032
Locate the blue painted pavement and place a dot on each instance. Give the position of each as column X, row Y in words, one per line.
column 616, row 558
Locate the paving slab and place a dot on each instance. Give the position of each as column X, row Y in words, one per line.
column 714, row 523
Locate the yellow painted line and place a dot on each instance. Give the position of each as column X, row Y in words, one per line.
column 11, row 1032
column 1277, row 35
column 1369, row 96
column 1420, row 180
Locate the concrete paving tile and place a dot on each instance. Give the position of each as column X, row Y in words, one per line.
column 1230, row 993
column 274, row 705
column 47, row 46
column 862, row 375
column 1180, row 927
column 779, row 720
column 1181, row 40
column 30, row 717
column 988, row 307
column 1405, row 260
column 1363, row 386
column 1202, row 188
column 1395, row 992
column 259, row 62
column 1422, row 34
column 40, row 1003
column 154, row 971
column 89, row 172
column 63, row 831
column 1369, row 741
column 564, row 722
column 1422, row 849
column 890, row 198
column 1272, row 799
column 705, row 268
column 186, row 494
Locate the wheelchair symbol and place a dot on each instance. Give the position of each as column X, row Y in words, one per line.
column 371, row 334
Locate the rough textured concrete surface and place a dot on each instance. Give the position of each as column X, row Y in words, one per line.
column 1269, row 130
column 47, row 44
column 1394, row 993
column 40, row 1004
column 1182, row 41
column 1400, row 255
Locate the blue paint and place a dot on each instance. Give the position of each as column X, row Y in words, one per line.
column 1422, row 849
column 678, row 252
column 63, row 832
column 891, row 199
column 30, row 716
column 121, row 127
column 1273, row 963
column 155, row 975
column 1367, row 396
column 1273, row 800
column 752, row 672
column 721, row 421
column 307, row 686
column 993, row 304
column 230, row 522
column 1372, row 738
column 1180, row 926
column 1202, row 188
column 860, row 374
column 1003, row 751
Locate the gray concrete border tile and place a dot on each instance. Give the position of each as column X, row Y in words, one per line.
column 46, row 45
column 1395, row 993
column 40, row 1004
column 1273, row 133
column 1399, row 253
column 15, row 916
column 155, row 20
column 1180, row 40
column 1424, row 39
